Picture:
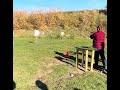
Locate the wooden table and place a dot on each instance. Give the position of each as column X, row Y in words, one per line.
column 85, row 50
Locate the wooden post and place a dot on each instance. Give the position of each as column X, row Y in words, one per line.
column 36, row 39
column 76, row 57
column 86, row 61
column 82, row 58
column 36, row 33
column 92, row 61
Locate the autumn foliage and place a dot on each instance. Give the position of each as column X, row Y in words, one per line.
column 84, row 21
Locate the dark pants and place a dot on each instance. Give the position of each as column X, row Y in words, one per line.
column 104, row 61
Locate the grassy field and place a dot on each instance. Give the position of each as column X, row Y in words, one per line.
column 39, row 63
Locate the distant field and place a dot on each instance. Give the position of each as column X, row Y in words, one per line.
column 37, row 61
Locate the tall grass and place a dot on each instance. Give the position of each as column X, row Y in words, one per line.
column 54, row 32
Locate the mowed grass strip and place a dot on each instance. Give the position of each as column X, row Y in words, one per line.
column 37, row 61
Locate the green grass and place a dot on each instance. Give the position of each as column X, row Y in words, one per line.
column 36, row 61
column 88, row 81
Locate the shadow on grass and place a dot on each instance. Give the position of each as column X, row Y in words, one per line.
column 14, row 85
column 30, row 41
column 41, row 85
column 63, row 57
column 71, row 60
column 76, row 89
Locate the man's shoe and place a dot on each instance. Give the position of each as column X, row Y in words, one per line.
column 104, row 71
column 95, row 67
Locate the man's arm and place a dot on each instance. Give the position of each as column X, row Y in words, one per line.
column 103, row 43
column 92, row 36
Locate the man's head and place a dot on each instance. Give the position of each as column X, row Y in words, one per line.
column 99, row 28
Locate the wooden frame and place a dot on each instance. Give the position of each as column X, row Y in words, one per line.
column 85, row 51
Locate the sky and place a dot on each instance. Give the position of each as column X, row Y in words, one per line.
column 64, row 5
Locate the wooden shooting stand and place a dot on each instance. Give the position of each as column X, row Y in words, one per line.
column 85, row 51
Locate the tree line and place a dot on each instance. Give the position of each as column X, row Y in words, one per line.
column 85, row 20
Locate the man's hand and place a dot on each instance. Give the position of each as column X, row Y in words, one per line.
column 91, row 36
column 91, row 32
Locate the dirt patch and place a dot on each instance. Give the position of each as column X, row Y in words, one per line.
column 55, row 62
column 41, row 75
column 79, row 71
column 72, row 74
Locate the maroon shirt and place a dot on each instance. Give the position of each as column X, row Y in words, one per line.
column 98, row 39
